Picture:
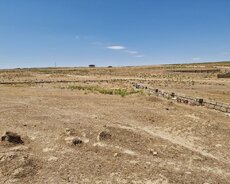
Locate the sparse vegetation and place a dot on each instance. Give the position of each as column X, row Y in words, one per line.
column 116, row 91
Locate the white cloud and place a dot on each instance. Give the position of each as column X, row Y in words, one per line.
column 122, row 48
column 116, row 47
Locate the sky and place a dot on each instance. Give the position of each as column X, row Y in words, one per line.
column 45, row 33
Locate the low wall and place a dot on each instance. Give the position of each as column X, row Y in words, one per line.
column 226, row 75
column 223, row 107
column 196, row 70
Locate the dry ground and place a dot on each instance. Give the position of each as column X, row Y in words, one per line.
column 153, row 140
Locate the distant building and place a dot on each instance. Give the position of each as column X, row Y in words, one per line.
column 92, row 66
column 110, row 67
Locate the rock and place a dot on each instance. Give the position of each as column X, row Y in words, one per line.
column 104, row 135
column 69, row 131
column 12, row 138
column 77, row 141
column 154, row 153
column 117, row 154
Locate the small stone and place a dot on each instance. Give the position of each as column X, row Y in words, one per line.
column 12, row 138
column 68, row 131
column 74, row 141
column 77, row 141
column 117, row 154
column 154, row 153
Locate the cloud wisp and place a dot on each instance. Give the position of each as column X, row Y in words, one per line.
column 125, row 49
column 116, row 47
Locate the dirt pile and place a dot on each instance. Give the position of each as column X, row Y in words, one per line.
column 12, row 138
column 104, row 135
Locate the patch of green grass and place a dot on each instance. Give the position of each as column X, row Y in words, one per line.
column 118, row 91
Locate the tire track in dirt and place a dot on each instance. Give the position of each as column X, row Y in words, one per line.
column 172, row 139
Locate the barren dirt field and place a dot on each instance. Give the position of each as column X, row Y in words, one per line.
column 88, row 125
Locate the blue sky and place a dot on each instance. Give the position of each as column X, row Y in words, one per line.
column 38, row 33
